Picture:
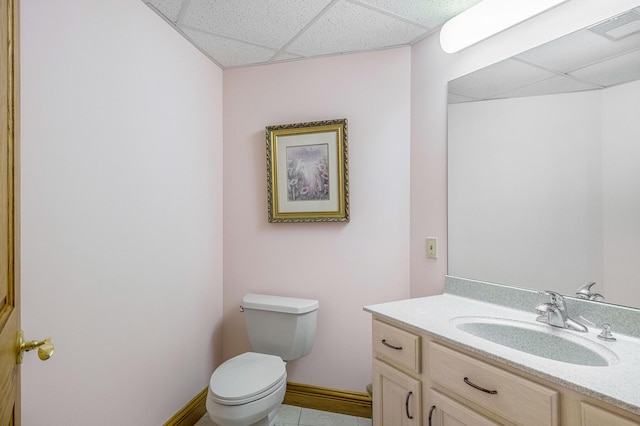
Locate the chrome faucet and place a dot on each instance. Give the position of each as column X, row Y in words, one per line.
column 584, row 292
column 555, row 313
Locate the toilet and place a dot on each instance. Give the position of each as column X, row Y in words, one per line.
column 248, row 389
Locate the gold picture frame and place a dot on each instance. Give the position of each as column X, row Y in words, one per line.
column 307, row 172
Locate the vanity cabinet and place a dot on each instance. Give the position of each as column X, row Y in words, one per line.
column 397, row 387
column 419, row 380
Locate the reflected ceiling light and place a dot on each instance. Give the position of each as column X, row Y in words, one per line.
column 488, row 18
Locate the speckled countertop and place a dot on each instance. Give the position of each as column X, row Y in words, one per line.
column 617, row 384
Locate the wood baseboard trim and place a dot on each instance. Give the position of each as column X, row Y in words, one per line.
column 190, row 413
column 336, row 401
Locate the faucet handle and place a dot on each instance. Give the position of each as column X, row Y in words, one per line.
column 585, row 290
column 556, row 298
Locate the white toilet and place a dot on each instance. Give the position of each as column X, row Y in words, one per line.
column 249, row 388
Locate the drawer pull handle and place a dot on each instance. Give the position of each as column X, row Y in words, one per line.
column 473, row 385
column 389, row 345
column 406, row 405
column 433, row 407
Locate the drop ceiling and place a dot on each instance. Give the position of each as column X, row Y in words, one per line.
column 237, row 33
column 603, row 55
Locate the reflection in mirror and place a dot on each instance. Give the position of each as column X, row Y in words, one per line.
column 544, row 166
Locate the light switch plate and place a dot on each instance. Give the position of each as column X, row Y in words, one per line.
column 432, row 248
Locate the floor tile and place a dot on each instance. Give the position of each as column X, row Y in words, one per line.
column 363, row 421
column 205, row 421
column 288, row 414
column 309, row 417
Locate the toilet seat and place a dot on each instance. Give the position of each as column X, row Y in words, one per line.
column 246, row 378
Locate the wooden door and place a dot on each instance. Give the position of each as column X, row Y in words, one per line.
column 9, row 224
column 594, row 416
column 397, row 397
column 447, row 412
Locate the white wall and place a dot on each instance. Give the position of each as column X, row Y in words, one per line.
column 431, row 70
column 121, row 214
column 344, row 265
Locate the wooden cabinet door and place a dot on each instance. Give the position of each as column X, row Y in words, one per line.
column 396, row 397
column 594, row 416
column 447, row 412
column 9, row 280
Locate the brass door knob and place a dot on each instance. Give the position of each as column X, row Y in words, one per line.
column 45, row 347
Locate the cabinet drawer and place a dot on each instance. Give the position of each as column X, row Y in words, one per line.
column 515, row 398
column 396, row 346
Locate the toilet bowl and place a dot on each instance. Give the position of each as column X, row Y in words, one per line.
column 247, row 390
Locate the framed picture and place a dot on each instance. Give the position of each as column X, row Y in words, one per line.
column 307, row 172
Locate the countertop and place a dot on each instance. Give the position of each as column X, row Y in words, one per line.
column 617, row 384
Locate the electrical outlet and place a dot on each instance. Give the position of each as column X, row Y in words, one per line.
column 432, row 248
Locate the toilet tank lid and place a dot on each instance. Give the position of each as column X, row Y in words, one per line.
column 290, row 305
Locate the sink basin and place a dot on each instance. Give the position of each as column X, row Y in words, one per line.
column 538, row 339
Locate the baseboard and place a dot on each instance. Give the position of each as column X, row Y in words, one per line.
column 325, row 399
column 190, row 413
column 307, row 396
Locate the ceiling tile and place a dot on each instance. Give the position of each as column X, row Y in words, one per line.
column 622, row 69
column 458, row 99
column 227, row 52
column 285, row 56
column 498, row 78
column 348, row 27
column 431, row 13
column 553, row 85
column 577, row 49
column 294, row 29
column 169, row 8
column 269, row 23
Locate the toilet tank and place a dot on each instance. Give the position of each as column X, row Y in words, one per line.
column 282, row 326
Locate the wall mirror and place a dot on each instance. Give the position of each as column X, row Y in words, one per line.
column 544, row 166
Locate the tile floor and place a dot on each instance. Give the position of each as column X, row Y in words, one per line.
column 296, row 416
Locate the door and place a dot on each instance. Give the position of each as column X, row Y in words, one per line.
column 397, row 397
column 9, row 225
column 594, row 416
column 447, row 412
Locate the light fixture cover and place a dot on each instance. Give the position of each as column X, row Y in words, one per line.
column 488, row 18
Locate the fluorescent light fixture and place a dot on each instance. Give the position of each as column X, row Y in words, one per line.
column 488, row 18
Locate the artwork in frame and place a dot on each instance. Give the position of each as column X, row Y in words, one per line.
column 307, row 172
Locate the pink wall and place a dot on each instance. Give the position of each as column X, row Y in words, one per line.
column 121, row 214
column 344, row 266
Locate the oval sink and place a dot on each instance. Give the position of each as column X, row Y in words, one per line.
column 538, row 339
